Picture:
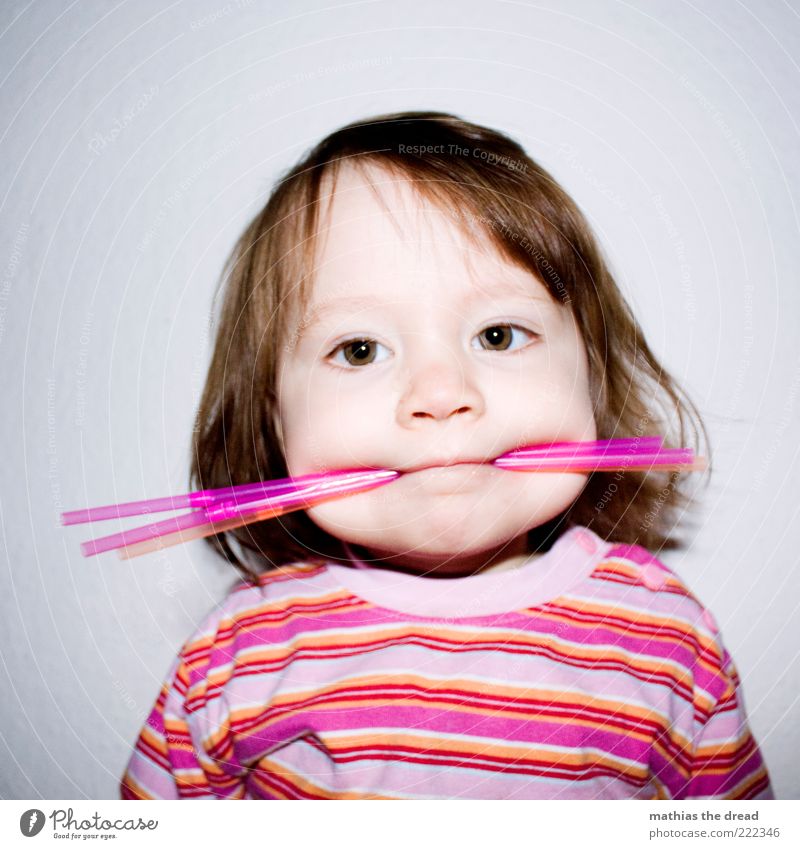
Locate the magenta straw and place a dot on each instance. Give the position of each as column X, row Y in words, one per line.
column 211, row 506
column 207, row 497
column 298, row 496
column 201, row 498
column 588, row 447
column 598, row 461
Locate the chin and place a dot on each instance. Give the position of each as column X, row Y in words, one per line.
column 429, row 544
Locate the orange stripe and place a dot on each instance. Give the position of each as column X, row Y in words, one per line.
column 135, row 788
column 329, row 698
column 520, row 752
column 675, row 673
column 479, row 688
column 715, row 751
column 300, row 783
column 699, row 646
column 287, row 604
column 745, row 788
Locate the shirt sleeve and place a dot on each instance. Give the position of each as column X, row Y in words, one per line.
column 171, row 760
column 725, row 761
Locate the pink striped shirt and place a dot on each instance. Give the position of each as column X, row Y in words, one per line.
column 591, row 672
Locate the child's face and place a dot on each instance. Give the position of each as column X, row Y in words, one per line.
column 453, row 366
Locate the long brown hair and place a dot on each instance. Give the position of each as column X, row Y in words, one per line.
column 498, row 189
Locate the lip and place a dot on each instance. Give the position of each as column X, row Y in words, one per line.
column 446, row 463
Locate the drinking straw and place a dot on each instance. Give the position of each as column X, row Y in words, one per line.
column 630, row 460
column 588, row 447
column 324, row 487
column 198, row 531
column 228, row 507
column 200, row 498
column 227, row 517
column 206, row 497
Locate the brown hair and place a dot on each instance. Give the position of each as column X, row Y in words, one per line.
column 532, row 222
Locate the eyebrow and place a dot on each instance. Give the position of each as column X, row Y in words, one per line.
column 340, row 304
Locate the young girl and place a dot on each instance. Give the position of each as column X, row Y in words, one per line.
column 418, row 294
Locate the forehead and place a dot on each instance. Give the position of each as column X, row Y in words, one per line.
column 377, row 232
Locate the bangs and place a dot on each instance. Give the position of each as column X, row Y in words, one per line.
column 496, row 215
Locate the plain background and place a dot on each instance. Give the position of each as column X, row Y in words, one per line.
column 137, row 140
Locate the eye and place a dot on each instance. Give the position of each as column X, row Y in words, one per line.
column 499, row 336
column 357, row 352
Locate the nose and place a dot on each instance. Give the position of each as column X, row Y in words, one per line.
column 439, row 388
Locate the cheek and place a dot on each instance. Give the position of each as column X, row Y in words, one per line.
column 368, row 512
column 567, row 391
column 569, row 406
column 293, row 417
column 329, row 426
column 554, row 403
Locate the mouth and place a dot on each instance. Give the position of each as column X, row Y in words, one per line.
column 442, row 464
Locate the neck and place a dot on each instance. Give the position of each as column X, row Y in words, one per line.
column 509, row 556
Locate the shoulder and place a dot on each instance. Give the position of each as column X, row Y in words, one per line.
column 251, row 609
column 655, row 600
column 632, row 567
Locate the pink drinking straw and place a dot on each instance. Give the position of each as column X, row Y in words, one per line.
column 198, row 531
column 222, row 519
column 587, row 448
column 226, row 516
column 601, row 461
column 201, row 498
column 324, row 487
column 229, row 507
column 207, row 497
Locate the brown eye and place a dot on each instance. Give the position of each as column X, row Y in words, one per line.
column 357, row 352
column 500, row 336
column 360, row 352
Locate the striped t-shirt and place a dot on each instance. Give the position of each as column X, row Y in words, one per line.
column 591, row 672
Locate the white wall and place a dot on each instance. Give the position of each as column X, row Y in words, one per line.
column 137, row 141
